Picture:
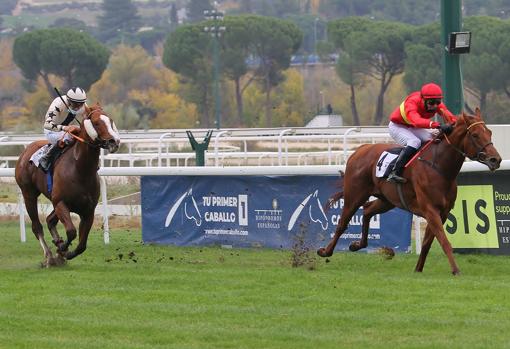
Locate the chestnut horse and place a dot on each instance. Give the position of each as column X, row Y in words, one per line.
column 75, row 183
column 430, row 190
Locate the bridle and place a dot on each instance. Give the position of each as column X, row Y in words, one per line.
column 480, row 154
column 98, row 142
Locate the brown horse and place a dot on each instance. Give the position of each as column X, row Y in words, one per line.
column 430, row 190
column 75, row 183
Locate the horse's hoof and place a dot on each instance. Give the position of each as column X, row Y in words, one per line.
column 56, row 261
column 354, row 246
column 456, row 273
column 59, row 260
column 322, row 252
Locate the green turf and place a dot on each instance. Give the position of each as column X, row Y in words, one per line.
column 168, row 297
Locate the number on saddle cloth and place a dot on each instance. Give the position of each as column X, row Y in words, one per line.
column 386, row 161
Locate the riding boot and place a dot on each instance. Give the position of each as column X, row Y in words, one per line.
column 396, row 173
column 46, row 160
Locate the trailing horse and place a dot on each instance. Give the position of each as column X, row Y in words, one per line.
column 430, row 190
column 75, row 184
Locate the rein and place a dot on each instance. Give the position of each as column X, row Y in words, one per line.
column 80, row 139
column 475, row 143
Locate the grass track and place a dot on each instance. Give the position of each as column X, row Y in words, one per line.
column 217, row 298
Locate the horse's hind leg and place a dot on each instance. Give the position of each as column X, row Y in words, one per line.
column 37, row 228
column 348, row 211
column 85, row 225
column 370, row 209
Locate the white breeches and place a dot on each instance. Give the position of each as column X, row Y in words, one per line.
column 55, row 136
column 409, row 136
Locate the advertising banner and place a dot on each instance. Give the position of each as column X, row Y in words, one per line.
column 480, row 219
column 257, row 211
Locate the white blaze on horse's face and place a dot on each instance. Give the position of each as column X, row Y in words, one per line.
column 109, row 132
column 91, row 131
column 112, row 129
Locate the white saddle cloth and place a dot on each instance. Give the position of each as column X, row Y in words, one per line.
column 382, row 164
column 39, row 154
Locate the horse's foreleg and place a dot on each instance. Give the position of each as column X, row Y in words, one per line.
column 64, row 216
column 52, row 221
column 427, row 242
column 434, row 221
column 370, row 209
column 85, row 225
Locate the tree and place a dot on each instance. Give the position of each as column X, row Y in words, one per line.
column 350, row 68
column 73, row 23
column 386, row 43
column 352, row 64
column 195, row 10
column 268, row 42
column 140, row 93
column 423, row 57
column 379, row 47
column 119, row 17
column 487, row 65
column 75, row 57
column 274, row 42
column 186, row 53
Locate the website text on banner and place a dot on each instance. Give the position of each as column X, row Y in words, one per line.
column 257, row 211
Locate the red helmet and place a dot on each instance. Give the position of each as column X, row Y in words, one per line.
column 431, row 90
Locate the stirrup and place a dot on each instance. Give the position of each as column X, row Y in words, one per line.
column 395, row 178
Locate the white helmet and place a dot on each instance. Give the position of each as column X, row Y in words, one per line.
column 76, row 94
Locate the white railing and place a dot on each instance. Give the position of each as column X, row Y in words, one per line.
column 238, row 146
column 295, row 146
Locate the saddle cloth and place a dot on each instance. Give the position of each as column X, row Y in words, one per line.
column 386, row 162
column 39, row 154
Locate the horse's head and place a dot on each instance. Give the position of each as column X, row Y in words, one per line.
column 477, row 140
column 101, row 129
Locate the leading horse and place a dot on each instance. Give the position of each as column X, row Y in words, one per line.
column 430, row 190
column 75, row 183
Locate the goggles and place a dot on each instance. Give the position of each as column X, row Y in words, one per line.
column 75, row 105
column 434, row 101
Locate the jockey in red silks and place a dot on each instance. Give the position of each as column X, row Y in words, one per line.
column 411, row 124
column 62, row 111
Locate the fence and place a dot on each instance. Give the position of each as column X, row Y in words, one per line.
column 220, row 171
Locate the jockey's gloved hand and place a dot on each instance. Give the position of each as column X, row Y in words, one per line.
column 446, row 129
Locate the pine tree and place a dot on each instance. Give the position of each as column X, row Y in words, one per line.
column 119, row 17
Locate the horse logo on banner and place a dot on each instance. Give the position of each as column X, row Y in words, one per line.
column 190, row 207
column 315, row 211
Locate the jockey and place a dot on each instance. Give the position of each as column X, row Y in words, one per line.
column 62, row 111
column 411, row 124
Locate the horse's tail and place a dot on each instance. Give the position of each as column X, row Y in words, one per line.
column 336, row 196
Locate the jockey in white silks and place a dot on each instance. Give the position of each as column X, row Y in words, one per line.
column 62, row 111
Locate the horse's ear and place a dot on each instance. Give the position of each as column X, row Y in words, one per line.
column 478, row 112
column 98, row 104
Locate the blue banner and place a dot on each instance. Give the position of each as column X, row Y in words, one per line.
column 257, row 211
